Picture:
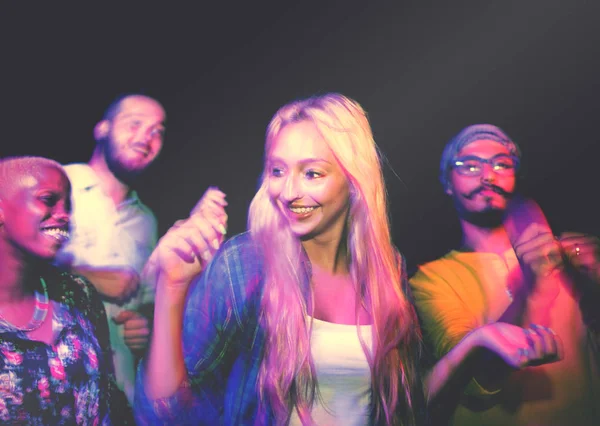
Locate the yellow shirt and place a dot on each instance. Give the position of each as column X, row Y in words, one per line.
column 463, row 291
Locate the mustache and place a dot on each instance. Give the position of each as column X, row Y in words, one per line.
column 479, row 189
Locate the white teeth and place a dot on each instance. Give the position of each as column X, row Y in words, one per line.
column 59, row 234
column 141, row 149
column 301, row 210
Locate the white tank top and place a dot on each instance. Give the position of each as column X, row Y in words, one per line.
column 343, row 375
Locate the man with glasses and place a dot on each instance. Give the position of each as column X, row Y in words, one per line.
column 506, row 306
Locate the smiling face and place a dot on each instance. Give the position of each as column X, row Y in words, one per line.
column 306, row 182
column 35, row 212
column 489, row 191
column 133, row 138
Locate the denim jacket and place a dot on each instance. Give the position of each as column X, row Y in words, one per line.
column 222, row 345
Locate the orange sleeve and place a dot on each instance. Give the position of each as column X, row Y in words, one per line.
column 450, row 304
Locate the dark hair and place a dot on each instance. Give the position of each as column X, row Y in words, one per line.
column 115, row 106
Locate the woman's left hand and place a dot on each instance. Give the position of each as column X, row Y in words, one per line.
column 583, row 252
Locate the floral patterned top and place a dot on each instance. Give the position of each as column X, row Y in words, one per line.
column 70, row 382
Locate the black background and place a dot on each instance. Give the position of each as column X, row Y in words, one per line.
column 422, row 70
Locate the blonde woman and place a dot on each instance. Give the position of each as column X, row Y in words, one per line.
column 303, row 319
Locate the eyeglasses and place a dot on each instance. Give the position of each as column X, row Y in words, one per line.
column 470, row 165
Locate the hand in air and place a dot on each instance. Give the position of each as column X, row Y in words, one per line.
column 522, row 347
column 190, row 244
column 539, row 251
column 583, row 252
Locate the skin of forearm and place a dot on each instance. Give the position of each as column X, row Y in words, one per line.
column 451, row 369
column 543, row 298
column 165, row 368
column 469, row 359
column 532, row 303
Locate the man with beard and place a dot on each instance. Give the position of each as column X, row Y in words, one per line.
column 508, row 313
column 113, row 232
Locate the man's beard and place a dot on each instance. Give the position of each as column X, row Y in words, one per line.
column 122, row 173
column 488, row 218
column 491, row 217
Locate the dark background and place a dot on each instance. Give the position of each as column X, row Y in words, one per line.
column 422, row 70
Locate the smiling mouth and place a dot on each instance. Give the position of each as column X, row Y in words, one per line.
column 301, row 210
column 59, row 234
column 141, row 149
column 143, row 152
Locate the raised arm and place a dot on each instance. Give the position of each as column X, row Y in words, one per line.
column 179, row 257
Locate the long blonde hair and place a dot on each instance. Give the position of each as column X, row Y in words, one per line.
column 287, row 376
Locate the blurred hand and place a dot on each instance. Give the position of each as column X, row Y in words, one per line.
column 213, row 201
column 129, row 284
column 521, row 347
column 136, row 329
column 539, row 251
column 583, row 252
column 116, row 284
column 189, row 245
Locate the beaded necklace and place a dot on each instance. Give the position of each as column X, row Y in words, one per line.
column 39, row 314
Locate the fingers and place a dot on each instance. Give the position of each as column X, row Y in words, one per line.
column 523, row 347
column 583, row 256
column 570, row 240
column 212, row 208
column 198, row 236
column 136, row 330
column 178, row 223
column 205, row 235
column 176, row 243
column 542, row 253
column 190, row 244
column 543, row 346
column 533, row 238
column 136, row 338
column 212, row 200
column 575, row 244
column 578, row 237
column 583, row 252
column 508, row 341
column 216, row 223
column 124, row 316
column 214, row 194
column 136, row 326
column 530, row 233
column 137, row 344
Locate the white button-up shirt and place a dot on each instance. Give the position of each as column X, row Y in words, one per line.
column 107, row 236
